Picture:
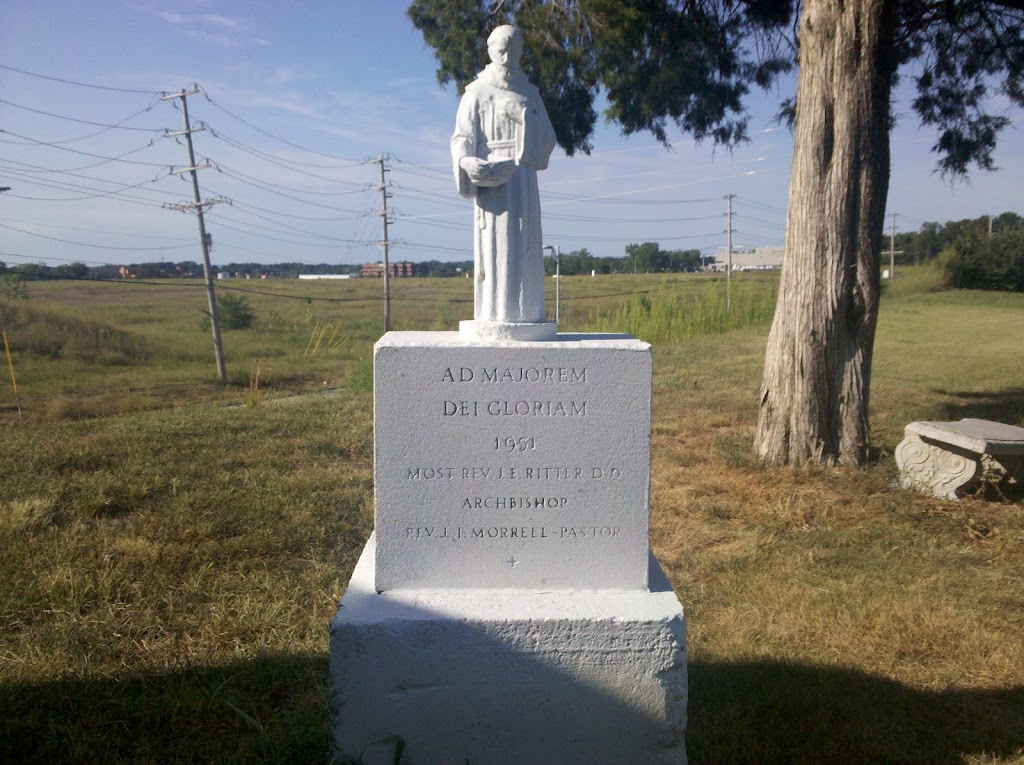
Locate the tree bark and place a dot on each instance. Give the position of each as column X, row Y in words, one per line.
column 817, row 373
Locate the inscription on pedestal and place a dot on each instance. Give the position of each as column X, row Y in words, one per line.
column 521, row 465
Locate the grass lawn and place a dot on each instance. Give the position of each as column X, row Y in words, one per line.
column 170, row 563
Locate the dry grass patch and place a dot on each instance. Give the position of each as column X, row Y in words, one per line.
column 834, row 617
column 165, row 556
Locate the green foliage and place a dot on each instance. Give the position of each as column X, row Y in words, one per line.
column 640, row 258
column 926, row 244
column 655, row 62
column 31, row 271
column 71, row 271
column 692, row 64
column 439, row 268
column 987, row 262
column 233, row 312
column 12, row 288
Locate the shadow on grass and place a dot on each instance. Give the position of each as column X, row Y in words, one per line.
column 269, row 709
column 764, row 712
column 274, row 709
column 1005, row 405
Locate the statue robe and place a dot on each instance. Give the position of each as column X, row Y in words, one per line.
column 499, row 119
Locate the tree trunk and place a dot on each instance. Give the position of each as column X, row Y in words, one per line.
column 814, row 395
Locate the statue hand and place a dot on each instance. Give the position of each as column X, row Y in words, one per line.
column 488, row 173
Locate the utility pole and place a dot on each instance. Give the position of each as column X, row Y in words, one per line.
column 558, row 280
column 990, row 225
column 384, row 196
column 199, row 206
column 728, row 247
column 556, row 250
column 892, row 248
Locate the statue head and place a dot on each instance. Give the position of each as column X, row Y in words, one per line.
column 505, row 47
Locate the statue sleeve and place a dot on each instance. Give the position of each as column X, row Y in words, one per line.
column 463, row 143
column 539, row 139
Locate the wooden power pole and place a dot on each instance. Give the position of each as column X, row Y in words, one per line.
column 199, row 205
column 728, row 247
column 385, row 243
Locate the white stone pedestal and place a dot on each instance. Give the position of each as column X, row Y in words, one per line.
column 509, row 676
column 507, row 608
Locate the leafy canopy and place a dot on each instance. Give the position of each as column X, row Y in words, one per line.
column 691, row 63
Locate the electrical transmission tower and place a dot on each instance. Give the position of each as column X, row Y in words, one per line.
column 198, row 205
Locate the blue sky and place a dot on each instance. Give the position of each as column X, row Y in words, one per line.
column 298, row 96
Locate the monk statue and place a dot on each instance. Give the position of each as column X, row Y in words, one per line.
column 502, row 138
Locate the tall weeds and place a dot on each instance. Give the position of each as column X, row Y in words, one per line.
column 42, row 332
column 662, row 316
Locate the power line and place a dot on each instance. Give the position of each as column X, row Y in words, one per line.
column 118, row 158
column 97, row 246
column 589, row 238
column 279, row 162
column 296, row 199
column 762, row 205
column 247, row 209
column 79, row 84
column 118, row 125
column 562, row 198
column 602, row 219
column 59, row 260
column 89, row 230
column 744, row 216
column 283, row 140
column 264, row 185
column 100, row 193
column 286, row 241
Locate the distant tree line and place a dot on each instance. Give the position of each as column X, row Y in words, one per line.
column 928, row 243
column 439, row 268
column 640, row 258
column 647, row 257
column 164, row 270
column 966, row 237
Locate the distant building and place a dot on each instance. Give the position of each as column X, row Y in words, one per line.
column 759, row 259
column 401, row 268
column 327, row 276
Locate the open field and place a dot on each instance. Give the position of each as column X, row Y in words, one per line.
column 170, row 564
column 96, row 348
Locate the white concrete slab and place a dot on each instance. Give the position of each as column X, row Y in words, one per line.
column 502, row 676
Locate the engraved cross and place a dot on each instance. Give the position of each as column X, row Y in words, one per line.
column 513, row 562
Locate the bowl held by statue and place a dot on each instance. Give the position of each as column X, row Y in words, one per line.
column 484, row 172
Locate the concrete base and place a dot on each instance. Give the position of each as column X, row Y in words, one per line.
column 509, row 676
column 490, row 331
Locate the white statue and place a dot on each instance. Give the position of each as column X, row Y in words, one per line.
column 502, row 138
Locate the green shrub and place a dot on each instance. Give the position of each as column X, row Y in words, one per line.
column 12, row 288
column 987, row 262
column 233, row 311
